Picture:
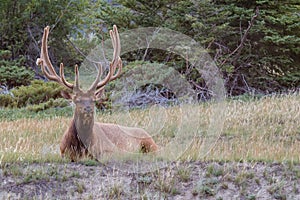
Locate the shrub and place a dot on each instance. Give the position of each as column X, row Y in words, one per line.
column 6, row 100
column 15, row 76
column 52, row 103
column 36, row 93
column 12, row 72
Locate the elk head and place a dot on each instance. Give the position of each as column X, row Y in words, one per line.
column 84, row 100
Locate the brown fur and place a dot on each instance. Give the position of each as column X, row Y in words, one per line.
column 109, row 137
column 70, row 144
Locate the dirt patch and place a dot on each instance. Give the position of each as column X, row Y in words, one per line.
column 175, row 180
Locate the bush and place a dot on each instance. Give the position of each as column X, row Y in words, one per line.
column 6, row 100
column 36, row 93
column 12, row 72
column 52, row 103
column 15, row 76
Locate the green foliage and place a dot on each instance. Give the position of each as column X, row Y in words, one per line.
column 52, row 103
column 10, row 114
column 22, row 23
column 12, row 73
column 268, row 59
column 6, row 100
column 15, row 76
column 36, row 93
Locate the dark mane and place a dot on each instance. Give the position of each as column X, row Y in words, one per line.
column 78, row 143
column 71, row 143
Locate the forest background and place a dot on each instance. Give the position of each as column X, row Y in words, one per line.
column 255, row 44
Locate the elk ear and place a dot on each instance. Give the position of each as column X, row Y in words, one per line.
column 66, row 94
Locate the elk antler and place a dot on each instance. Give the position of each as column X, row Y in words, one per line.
column 47, row 67
column 50, row 73
column 114, row 64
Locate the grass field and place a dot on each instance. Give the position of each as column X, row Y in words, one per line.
column 238, row 149
column 267, row 129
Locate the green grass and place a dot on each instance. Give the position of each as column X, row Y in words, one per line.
column 21, row 113
column 265, row 129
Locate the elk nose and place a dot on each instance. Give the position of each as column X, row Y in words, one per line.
column 88, row 109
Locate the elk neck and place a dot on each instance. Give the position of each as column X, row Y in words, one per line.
column 84, row 123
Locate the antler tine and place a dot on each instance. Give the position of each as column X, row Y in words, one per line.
column 95, row 83
column 117, row 58
column 76, row 84
column 44, row 53
column 116, row 61
column 46, row 65
column 117, row 40
column 119, row 66
column 62, row 77
column 114, row 34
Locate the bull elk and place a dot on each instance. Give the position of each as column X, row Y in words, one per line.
column 84, row 136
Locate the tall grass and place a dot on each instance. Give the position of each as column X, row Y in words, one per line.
column 266, row 129
column 260, row 130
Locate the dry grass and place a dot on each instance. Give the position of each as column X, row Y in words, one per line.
column 31, row 139
column 267, row 129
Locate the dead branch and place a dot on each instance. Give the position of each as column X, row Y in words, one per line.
column 241, row 45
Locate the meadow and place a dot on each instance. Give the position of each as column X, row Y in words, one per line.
column 265, row 129
column 247, row 148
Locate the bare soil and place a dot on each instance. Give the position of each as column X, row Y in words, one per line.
column 173, row 180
